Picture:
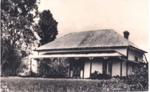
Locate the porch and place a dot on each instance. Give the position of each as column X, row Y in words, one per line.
column 83, row 65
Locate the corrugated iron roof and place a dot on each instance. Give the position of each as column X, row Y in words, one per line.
column 95, row 38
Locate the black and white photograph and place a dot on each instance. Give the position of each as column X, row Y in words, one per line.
column 74, row 45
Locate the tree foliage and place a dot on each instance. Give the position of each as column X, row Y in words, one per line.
column 17, row 18
column 16, row 21
column 48, row 26
column 58, row 67
column 18, row 30
column 139, row 80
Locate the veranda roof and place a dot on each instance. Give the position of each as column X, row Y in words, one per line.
column 114, row 54
column 95, row 38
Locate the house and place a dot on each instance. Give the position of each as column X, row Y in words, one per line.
column 104, row 51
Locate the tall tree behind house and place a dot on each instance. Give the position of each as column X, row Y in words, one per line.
column 48, row 26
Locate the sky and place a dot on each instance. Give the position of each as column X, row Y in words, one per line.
column 85, row 15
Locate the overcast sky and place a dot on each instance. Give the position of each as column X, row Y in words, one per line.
column 84, row 15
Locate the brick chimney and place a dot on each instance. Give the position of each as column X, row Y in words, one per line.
column 126, row 34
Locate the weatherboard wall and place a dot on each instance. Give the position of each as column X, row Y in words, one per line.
column 116, row 68
column 124, row 68
column 87, row 69
column 130, row 69
column 35, row 64
column 132, row 54
column 121, row 50
column 96, row 66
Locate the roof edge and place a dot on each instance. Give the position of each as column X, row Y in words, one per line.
column 87, row 48
column 84, row 48
column 132, row 47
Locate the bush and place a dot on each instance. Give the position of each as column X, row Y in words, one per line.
column 139, row 80
column 56, row 68
column 97, row 75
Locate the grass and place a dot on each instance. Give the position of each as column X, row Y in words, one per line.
column 14, row 84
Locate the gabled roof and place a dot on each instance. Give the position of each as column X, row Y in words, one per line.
column 95, row 38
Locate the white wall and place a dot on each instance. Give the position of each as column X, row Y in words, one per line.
column 35, row 65
column 115, row 68
column 130, row 67
column 132, row 54
column 123, row 68
column 71, row 73
column 97, row 66
column 81, row 74
column 87, row 69
column 122, row 51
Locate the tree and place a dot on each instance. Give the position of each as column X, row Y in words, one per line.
column 48, row 26
column 19, row 31
column 139, row 80
column 17, row 25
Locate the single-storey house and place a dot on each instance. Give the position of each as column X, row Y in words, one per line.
column 104, row 51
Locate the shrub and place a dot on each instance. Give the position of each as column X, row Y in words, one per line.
column 139, row 80
column 97, row 75
column 56, row 68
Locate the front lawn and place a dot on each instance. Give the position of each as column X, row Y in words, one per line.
column 17, row 84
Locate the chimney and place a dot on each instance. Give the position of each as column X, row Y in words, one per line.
column 126, row 34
